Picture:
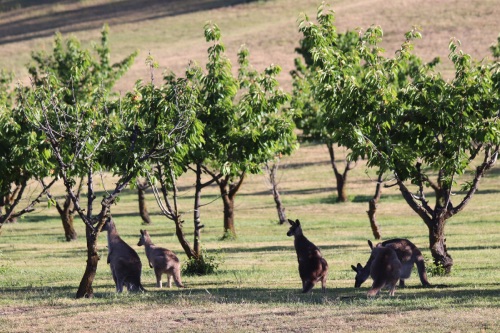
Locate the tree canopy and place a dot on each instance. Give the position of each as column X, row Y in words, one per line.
column 426, row 130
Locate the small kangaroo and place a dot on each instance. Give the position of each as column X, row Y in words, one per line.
column 124, row 262
column 385, row 270
column 408, row 254
column 312, row 266
column 162, row 261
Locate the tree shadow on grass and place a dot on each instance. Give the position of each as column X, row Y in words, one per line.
column 80, row 18
column 281, row 248
column 473, row 248
column 459, row 295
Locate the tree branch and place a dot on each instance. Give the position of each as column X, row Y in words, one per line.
column 489, row 160
column 215, row 178
column 408, row 196
column 235, row 187
column 31, row 206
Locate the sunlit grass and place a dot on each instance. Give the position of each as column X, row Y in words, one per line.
column 257, row 282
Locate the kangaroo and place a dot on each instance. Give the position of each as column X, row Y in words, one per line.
column 124, row 262
column 162, row 261
column 408, row 254
column 385, row 270
column 312, row 266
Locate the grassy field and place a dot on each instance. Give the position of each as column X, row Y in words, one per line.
column 257, row 288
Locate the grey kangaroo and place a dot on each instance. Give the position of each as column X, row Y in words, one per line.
column 162, row 261
column 385, row 270
column 408, row 254
column 124, row 262
column 312, row 266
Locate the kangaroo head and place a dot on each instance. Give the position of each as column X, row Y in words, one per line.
column 142, row 238
column 108, row 224
column 295, row 228
column 362, row 274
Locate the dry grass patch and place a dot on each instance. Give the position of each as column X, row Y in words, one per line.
column 173, row 31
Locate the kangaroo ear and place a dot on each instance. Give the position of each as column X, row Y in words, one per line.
column 359, row 266
column 291, row 222
column 297, row 221
column 370, row 244
column 354, row 268
column 142, row 232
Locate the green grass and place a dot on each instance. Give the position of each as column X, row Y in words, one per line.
column 257, row 287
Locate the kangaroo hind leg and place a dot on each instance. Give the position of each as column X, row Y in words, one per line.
column 323, row 283
column 158, row 274
column 392, row 289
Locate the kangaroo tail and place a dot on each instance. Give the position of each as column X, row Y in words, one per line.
column 135, row 287
column 177, row 279
column 421, row 271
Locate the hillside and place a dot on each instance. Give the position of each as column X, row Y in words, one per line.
column 172, row 31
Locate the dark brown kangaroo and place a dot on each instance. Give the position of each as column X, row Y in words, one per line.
column 162, row 261
column 124, row 262
column 408, row 254
column 385, row 270
column 312, row 266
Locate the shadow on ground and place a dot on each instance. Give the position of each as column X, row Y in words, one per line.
column 79, row 17
column 455, row 294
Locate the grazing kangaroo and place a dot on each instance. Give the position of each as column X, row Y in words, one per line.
column 385, row 270
column 408, row 254
column 124, row 262
column 312, row 266
column 162, row 261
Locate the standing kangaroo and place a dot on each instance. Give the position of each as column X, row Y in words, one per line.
column 124, row 262
column 312, row 266
column 162, row 261
column 408, row 254
column 385, row 270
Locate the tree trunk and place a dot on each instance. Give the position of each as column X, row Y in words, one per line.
column 67, row 222
column 341, row 192
column 6, row 201
column 85, row 289
column 143, row 210
column 182, row 239
column 67, row 218
column 341, row 178
column 228, row 191
column 229, row 230
column 437, row 245
column 274, row 190
column 10, row 219
column 372, row 210
column 434, row 219
column 196, row 215
column 279, row 206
